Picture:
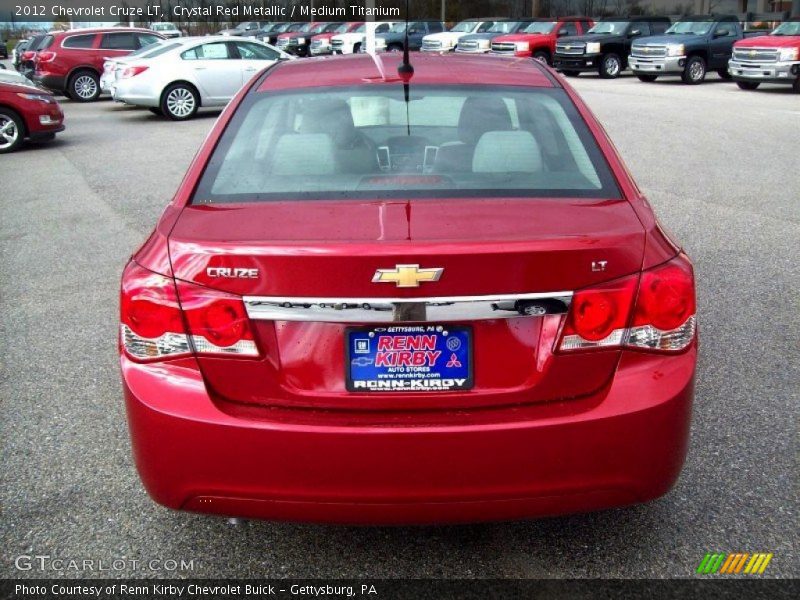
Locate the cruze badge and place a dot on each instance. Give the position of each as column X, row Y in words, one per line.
column 232, row 273
column 406, row 276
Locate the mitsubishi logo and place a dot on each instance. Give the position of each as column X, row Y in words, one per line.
column 406, row 276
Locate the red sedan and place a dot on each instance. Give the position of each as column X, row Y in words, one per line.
column 380, row 297
column 27, row 112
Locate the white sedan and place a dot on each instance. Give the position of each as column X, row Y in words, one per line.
column 196, row 72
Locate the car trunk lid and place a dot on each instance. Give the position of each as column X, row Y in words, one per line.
column 305, row 251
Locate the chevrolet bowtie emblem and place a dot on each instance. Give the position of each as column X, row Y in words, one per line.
column 753, row 52
column 568, row 47
column 407, row 275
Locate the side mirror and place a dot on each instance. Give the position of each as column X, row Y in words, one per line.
column 721, row 33
column 635, row 32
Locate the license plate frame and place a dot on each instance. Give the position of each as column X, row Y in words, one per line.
column 461, row 376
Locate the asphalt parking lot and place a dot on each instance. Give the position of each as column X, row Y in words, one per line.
column 722, row 168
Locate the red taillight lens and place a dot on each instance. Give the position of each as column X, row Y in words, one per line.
column 151, row 322
column 44, row 57
column 666, row 296
column 133, row 71
column 217, row 321
column 663, row 314
column 664, row 318
column 598, row 316
column 27, row 55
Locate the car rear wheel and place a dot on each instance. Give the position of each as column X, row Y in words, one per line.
column 647, row 78
column 695, row 70
column 748, row 85
column 610, row 66
column 542, row 56
column 84, row 86
column 180, row 102
column 11, row 131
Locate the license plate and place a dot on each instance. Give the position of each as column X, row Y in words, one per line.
column 408, row 358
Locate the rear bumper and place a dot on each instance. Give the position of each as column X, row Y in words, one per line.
column 657, row 66
column 57, row 83
column 127, row 91
column 106, row 83
column 624, row 445
column 586, row 62
column 776, row 72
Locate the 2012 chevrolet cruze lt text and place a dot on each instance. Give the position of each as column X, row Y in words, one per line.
column 386, row 297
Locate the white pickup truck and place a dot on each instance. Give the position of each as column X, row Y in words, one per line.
column 349, row 43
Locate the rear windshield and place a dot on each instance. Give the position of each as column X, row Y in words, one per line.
column 788, row 28
column 156, row 49
column 503, row 27
column 540, row 27
column 368, row 142
column 690, row 27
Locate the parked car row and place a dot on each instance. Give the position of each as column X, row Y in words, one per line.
column 650, row 46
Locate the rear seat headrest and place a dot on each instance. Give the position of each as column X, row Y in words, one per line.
column 507, row 152
column 481, row 114
column 304, row 154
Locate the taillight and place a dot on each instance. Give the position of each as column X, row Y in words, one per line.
column 598, row 316
column 27, row 55
column 151, row 322
column 662, row 317
column 155, row 314
column 217, row 321
column 44, row 57
column 133, row 71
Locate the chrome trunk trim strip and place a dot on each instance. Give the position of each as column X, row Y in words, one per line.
column 399, row 310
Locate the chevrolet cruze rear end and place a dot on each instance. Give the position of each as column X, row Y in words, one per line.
column 428, row 298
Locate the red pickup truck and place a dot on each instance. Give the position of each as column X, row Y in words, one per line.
column 538, row 39
column 773, row 58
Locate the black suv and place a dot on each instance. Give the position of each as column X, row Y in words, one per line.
column 606, row 46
